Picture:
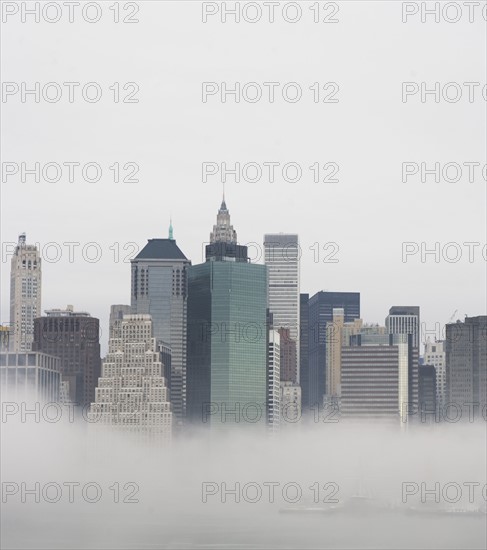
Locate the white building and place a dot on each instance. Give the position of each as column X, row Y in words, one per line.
column 281, row 256
column 273, row 381
column 132, row 394
column 290, row 403
column 25, row 294
column 404, row 320
column 434, row 354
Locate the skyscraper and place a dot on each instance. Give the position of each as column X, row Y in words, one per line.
column 434, row 354
column 273, row 381
column 466, row 364
column 74, row 337
column 337, row 336
column 303, row 350
column 374, row 377
column 282, row 255
column 25, row 294
column 159, row 288
column 321, row 307
column 132, row 395
column 117, row 312
column 427, row 393
column 289, row 364
column 227, row 333
column 406, row 320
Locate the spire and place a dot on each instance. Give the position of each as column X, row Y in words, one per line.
column 223, row 230
column 171, row 236
column 223, row 207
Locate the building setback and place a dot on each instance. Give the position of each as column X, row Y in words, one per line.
column 25, row 294
column 132, row 395
column 74, row 338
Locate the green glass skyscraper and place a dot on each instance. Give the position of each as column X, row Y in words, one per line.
column 226, row 361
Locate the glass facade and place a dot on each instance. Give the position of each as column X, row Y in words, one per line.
column 30, row 376
column 227, row 342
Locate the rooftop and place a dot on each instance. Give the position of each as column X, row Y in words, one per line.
column 161, row 249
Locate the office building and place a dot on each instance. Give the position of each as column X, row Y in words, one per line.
column 74, row 337
column 405, row 320
column 25, row 294
column 434, row 354
column 159, row 289
column 273, row 381
column 30, row 377
column 321, row 307
column 427, row 394
column 282, row 255
column 227, row 333
column 290, row 404
column 374, row 378
column 466, row 364
column 132, row 395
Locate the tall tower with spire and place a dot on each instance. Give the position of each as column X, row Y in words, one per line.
column 227, row 344
column 223, row 239
column 223, row 230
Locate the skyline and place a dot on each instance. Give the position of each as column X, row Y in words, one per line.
column 372, row 311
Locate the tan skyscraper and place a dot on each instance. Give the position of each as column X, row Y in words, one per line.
column 337, row 336
column 25, row 294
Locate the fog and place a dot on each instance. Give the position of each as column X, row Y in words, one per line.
column 174, row 497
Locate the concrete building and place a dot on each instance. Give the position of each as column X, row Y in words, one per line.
column 29, row 377
column 374, row 378
column 117, row 312
column 282, row 255
column 466, row 364
column 434, row 354
column 405, row 320
column 227, row 334
column 159, row 289
column 132, row 395
column 290, row 404
column 74, row 337
column 25, row 294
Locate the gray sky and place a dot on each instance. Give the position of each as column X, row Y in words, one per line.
column 170, row 132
